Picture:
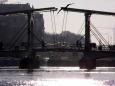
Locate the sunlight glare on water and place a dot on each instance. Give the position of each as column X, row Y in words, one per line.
column 57, row 76
column 69, row 82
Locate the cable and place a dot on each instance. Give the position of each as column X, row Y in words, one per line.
column 95, row 35
column 52, row 26
column 18, row 32
column 65, row 25
column 81, row 38
column 63, row 21
column 61, row 35
column 18, row 37
column 99, row 34
column 36, row 37
column 81, row 28
column 66, row 17
column 54, row 23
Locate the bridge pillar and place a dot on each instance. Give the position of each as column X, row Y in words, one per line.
column 87, row 31
column 87, row 61
column 30, row 31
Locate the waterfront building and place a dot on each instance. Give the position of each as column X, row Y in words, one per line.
column 13, row 28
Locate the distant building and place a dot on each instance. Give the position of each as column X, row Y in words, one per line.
column 13, row 28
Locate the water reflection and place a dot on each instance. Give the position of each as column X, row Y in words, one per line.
column 69, row 82
column 30, row 71
column 57, row 76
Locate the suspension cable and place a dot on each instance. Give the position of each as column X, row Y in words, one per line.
column 52, row 26
column 100, row 37
column 81, row 38
column 34, row 33
column 63, row 22
column 18, row 32
column 81, row 28
column 66, row 21
column 80, row 31
column 99, row 34
column 18, row 36
column 96, row 36
column 54, row 23
column 65, row 26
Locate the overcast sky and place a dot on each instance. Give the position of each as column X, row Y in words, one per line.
column 105, row 24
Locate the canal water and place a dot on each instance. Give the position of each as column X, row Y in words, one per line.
column 57, row 76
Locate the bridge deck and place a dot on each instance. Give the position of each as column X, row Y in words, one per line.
column 92, row 53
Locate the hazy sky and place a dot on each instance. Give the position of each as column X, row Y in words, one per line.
column 105, row 24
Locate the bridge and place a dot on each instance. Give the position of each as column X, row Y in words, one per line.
column 91, row 53
column 94, row 53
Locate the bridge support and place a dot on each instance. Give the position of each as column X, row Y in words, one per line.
column 87, row 64
column 30, row 31
column 30, row 61
column 87, row 31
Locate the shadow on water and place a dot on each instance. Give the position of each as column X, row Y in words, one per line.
column 30, row 71
column 87, row 73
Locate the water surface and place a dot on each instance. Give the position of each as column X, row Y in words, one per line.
column 57, row 76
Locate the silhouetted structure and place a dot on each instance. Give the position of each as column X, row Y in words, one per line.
column 13, row 28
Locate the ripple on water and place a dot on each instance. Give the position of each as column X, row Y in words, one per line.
column 57, row 76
